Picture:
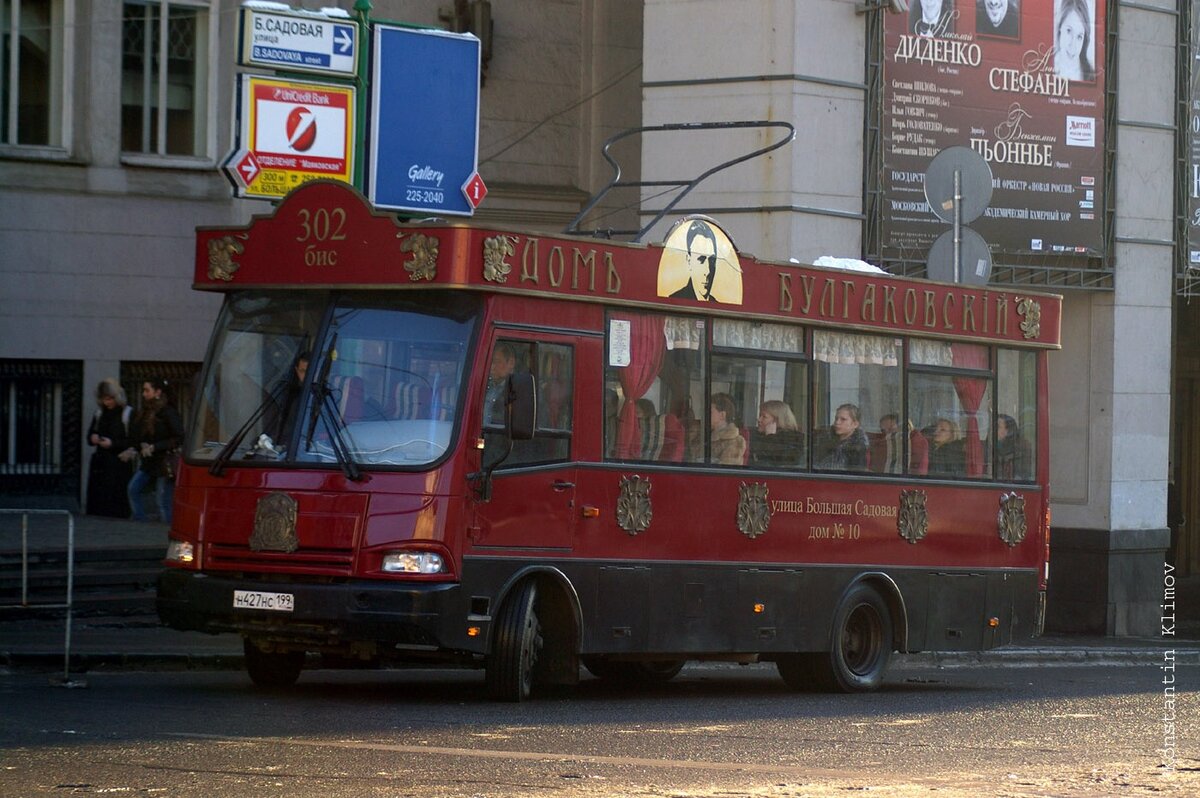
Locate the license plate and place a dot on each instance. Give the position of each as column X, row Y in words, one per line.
column 257, row 600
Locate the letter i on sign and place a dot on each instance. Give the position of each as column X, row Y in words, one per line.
column 474, row 190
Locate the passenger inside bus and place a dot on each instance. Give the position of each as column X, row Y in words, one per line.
column 947, row 455
column 1013, row 453
column 777, row 441
column 728, row 445
column 886, row 455
column 845, row 448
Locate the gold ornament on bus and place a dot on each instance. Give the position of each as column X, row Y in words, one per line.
column 424, row 249
column 1031, row 313
column 633, row 505
column 221, row 265
column 495, row 249
column 753, row 511
column 275, row 524
column 912, row 521
column 1011, row 518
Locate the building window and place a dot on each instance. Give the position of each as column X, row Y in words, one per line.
column 32, row 72
column 40, row 432
column 165, row 78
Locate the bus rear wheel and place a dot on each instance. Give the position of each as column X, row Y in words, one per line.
column 516, row 646
column 658, row 671
column 860, row 648
column 272, row 670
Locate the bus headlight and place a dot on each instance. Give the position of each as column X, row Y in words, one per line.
column 181, row 551
column 414, row 562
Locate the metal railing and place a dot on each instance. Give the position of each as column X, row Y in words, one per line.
column 68, row 605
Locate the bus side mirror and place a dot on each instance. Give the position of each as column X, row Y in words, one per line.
column 522, row 406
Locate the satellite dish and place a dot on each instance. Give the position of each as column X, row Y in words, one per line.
column 976, row 258
column 975, row 184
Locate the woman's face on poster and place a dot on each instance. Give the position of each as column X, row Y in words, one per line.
column 1071, row 34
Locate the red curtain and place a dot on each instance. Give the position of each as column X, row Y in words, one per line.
column 970, row 392
column 646, row 347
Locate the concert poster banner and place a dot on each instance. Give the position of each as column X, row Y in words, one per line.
column 1021, row 82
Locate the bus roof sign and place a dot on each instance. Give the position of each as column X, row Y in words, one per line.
column 326, row 233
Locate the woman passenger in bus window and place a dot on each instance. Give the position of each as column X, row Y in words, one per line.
column 728, row 445
column 847, row 446
column 947, row 452
column 1012, row 450
column 777, row 441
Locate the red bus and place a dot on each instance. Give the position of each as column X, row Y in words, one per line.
column 440, row 443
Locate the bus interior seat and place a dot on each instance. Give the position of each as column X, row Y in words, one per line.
column 348, row 393
column 409, row 400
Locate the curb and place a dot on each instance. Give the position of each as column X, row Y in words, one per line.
column 1034, row 657
column 45, row 661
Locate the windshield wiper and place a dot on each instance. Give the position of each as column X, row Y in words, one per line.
column 324, row 406
column 274, row 397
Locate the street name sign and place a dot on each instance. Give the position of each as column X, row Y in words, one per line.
column 304, row 42
column 289, row 133
column 424, row 128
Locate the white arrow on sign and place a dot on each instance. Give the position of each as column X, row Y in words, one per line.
column 342, row 40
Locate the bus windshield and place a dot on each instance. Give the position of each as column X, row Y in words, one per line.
column 322, row 378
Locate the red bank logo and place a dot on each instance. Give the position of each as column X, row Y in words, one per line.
column 301, row 129
column 1081, row 131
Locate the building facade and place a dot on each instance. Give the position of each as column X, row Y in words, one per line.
column 117, row 116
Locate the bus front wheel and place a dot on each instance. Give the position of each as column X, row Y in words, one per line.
column 516, row 645
column 860, row 647
column 272, row 669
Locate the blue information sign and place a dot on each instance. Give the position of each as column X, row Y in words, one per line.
column 424, row 126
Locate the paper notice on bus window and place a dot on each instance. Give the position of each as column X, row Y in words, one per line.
column 618, row 343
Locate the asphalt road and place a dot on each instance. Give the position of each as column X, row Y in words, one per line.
column 714, row 731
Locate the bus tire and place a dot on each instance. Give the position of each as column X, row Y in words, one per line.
column 272, row 670
column 516, row 645
column 860, row 647
column 658, row 671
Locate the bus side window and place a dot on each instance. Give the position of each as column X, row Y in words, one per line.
column 553, row 368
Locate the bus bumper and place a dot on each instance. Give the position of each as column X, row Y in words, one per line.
column 395, row 619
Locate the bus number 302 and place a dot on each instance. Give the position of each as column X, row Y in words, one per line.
column 423, row 196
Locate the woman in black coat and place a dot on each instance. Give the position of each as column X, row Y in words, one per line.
column 108, row 473
column 157, row 431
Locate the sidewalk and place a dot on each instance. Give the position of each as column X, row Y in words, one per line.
column 138, row 642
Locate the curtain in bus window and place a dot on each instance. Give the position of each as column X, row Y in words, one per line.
column 646, row 347
column 970, row 392
column 852, row 348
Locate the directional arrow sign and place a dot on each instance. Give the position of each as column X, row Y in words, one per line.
column 304, row 42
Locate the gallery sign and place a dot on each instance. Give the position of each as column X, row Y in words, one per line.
column 289, row 133
column 424, row 127
column 1023, row 85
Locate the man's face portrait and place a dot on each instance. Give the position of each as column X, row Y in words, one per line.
column 699, row 263
column 702, row 264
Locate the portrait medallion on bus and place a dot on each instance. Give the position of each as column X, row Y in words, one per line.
column 1011, row 518
column 633, row 505
column 912, row 521
column 275, row 524
column 699, row 262
column 753, row 511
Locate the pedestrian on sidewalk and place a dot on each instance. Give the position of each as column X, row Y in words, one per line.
column 108, row 474
column 157, row 436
